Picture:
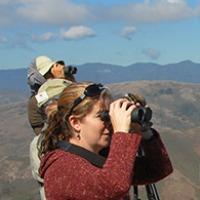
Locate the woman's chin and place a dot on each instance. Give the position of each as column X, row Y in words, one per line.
column 106, row 141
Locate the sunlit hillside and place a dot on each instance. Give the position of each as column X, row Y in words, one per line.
column 176, row 114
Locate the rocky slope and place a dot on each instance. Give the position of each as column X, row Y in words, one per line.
column 176, row 114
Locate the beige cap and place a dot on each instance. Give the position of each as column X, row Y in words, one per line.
column 44, row 64
column 50, row 90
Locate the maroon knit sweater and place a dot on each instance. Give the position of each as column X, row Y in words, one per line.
column 70, row 177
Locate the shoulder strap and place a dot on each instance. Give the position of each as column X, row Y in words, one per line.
column 93, row 158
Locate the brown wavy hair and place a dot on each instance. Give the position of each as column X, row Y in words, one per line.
column 58, row 125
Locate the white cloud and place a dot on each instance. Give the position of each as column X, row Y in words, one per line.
column 153, row 11
column 176, row 1
column 5, row 2
column 54, row 11
column 77, row 32
column 15, row 2
column 151, row 53
column 67, row 12
column 128, row 32
column 44, row 37
column 8, row 11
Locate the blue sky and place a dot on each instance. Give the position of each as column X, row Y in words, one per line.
column 107, row 31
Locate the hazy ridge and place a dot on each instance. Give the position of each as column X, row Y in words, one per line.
column 185, row 71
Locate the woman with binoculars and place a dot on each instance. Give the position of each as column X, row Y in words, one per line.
column 72, row 166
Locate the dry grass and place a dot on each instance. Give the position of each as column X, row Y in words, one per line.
column 176, row 114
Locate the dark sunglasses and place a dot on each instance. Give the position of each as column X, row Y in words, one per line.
column 90, row 91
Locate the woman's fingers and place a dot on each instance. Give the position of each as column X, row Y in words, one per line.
column 120, row 114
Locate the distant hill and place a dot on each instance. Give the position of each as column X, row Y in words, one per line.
column 13, row 80
column 176, row 114
column 186, row 71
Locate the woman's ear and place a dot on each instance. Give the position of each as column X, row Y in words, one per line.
column 54, row 70
column 75, row 123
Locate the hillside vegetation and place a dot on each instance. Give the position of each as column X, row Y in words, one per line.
column 176, row 114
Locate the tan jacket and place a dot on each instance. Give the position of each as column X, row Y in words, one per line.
column 35, row 115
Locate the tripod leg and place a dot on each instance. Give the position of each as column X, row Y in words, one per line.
column 135, row 193
column 152, row 193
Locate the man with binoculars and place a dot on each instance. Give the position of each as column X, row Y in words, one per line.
column 40, row 70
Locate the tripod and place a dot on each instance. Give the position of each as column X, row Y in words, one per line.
column 151, row 190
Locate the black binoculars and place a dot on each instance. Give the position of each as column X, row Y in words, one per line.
column 70, row 70
column 139, row 115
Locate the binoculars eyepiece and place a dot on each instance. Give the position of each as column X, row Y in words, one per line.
column 139, row 115
column 70, row 70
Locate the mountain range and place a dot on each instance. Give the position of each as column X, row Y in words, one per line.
column 185, row 71
column 172, row 91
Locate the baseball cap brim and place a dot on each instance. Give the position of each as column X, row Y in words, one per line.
column 48, row 67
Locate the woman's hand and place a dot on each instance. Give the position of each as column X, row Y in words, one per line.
column 120, row 115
